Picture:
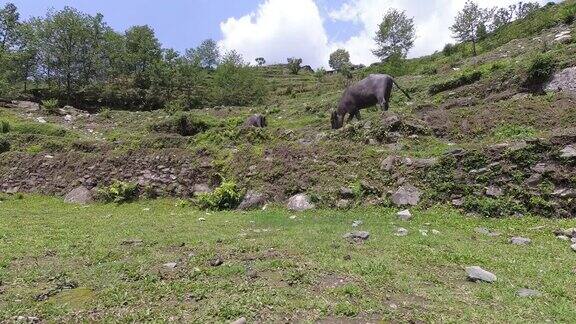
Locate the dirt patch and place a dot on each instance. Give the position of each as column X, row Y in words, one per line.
column 332, row 281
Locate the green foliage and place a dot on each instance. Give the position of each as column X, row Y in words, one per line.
column 227, row 196
column 118, row 192
column 506, row 132
column 395, row 35
column 294, row 65
column 339, row 58
column 540, row 69
column 4, row 126
column 469, row 23
column 449, row 49
column 491, row 207
column 105, row 113
column 429, row 70
column 185, row 124
column 462, row 80
column 50, row 105
column 4, row 144
column 238, row 84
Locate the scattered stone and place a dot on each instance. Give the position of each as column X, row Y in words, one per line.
column 357, row 236
column 563, row 237
column 41, row 120
column 568, row 152
column 406, row 195
column 485, row 231
column 300, row 202
column 293, row 217
column 494, row 191
column 357, row 223
column 563, row 81
column 525, row 292
column 401, row 231
column 132, row 242
column 68, row 118
column 80, row 195
column 252, row 200
column 216, row 262
column 534, row 180
column 388, row 163
column 570, row 232
column 200, row 189
column 517, row 240
column 435, row 232
column 404, row 215
column 343, row 204
column 423, row 232
column 241, row 320
column 476, row 274
column 458, row 202
column 26, row 319
column 573, row 247
column 346, row 193
column 201, row 219
column 170, row 265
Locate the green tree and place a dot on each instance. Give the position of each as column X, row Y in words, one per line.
column 467, row 23
column 208, row 54
column 395, row 35
column 260, row 61
column 338, row 59
column 294, row 65
column 502, row 17
column 524, row 9
column 237, row 84
column 9, row 26
column 142, row 50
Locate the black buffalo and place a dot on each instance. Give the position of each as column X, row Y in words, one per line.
column 375, row 89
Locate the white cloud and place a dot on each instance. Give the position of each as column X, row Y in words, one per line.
column 280, row 28
column 277, row 30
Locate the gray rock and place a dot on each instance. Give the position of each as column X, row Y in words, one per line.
column 458, row 202
column 485, row 231
column 241, row 320
column 80, row 195
column 401, row 231
column 564, row 80
column 357, row 236
column 476, row 273
column 26, row 319
column 573, row 247
column 388, row 163
column 27, row 105
column 494, row 191
column 525, row 292
column 404, row 215
column 357, row 223
column 252, row 200
column 200, row 189
column 568, row 152
column 170, row 265
column 517, row 240
column 534, row 180
column 300, row 202
column 346, row 193
column 406, row 195
column 343, row 204
column 216, row 262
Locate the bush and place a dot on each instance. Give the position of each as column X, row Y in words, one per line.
column 4, row 145
column 462, row 80
column 119, row 192
column 183, row 124
column 540, row 69
column 227, row 196
column 449, row 49
column 50, row 105
column 4, row 127
column 429, row 69
column 238, row 84
column 294, row 65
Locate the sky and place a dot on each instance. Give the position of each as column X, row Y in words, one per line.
column 273, row 29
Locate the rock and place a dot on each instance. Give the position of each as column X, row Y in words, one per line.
column 388, row 163
column 525, row 292
column 170, row 265
column 357, row 223
column 404, row 215
column 568, row 152
column 564, row 80
column 300, row 202
column 346, row 193
column 494, row 191
column 563, row 38
column 343, row 204
column 517, row 240
column 41, row 120
column 458, row 202
column 200, row 189
column 533, row 180
column 252, row 200
column 241, row 320
column 26, row 319
column 401, row 231
column 27, row 105
column 216, row 262
column 425, row 163
column 485, row 231
column 392, row 123
column 563, row 237
column 423, row 232
column 201, row 219
column 435, row 232
column 68, row 118
column 80, row 195
column 132, row 242
column 357, row 236
column 573, row 247
column 570, row 232
column 476, row 273
column 406, row 195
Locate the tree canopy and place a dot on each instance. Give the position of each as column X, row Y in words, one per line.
column 395, row 35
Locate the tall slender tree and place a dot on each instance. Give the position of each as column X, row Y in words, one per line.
column 395, row 35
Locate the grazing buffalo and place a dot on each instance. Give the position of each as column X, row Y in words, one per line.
column 375, row 89
column 256, row 121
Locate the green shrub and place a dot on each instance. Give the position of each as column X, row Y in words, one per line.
column 540, row 69
column 105, row 113
column 429, row 69
column 462, row 80
column 227, row 196
column 490, row 207
column 4, row 145
column 119, row 192
column 506, row 132
column 4, row 126
column 183, row 124
column 449, row 49
column 50, row 105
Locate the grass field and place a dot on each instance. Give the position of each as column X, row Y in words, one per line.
column 61, row 263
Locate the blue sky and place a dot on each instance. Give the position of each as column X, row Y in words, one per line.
column 274, row 29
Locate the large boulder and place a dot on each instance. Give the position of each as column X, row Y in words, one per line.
column 407, row 195
column 252, row 200
column 564, row 80
column 80, row 195
column 300, row 202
